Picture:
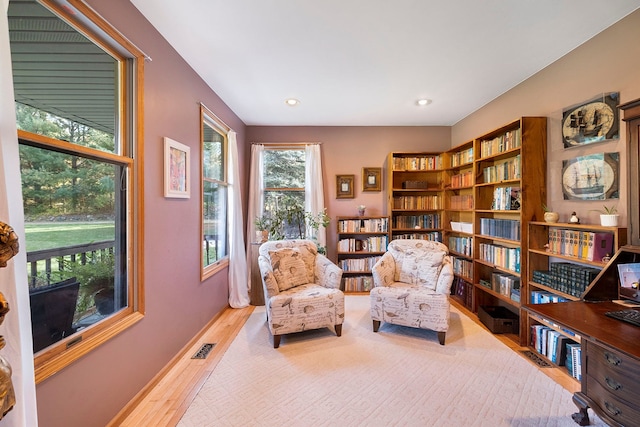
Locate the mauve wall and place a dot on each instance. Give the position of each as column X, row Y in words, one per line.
column 346, row 150
column 92, row 390
column 608, row 62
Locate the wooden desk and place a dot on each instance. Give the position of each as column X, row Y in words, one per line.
column 610, row 382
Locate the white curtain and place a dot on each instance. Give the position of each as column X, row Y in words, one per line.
column 256, row 201
column 314, row 192
column 238, row 275
column 16, row 327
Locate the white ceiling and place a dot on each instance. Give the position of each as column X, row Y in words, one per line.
column 366, row 62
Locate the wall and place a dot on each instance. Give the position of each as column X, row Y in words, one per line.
column 608, row 62
column 92, row 390
column 346, row 150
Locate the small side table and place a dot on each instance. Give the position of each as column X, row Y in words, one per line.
column 256, row 293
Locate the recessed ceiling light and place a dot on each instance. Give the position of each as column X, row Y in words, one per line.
column 422, row 102
column 292, row 102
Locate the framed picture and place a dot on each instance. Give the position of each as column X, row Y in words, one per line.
column 371, row 179
column 176, row 169
column 591, row 177
column 344, row 186
column 592, row 121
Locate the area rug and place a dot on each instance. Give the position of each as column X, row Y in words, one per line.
column 397, row 377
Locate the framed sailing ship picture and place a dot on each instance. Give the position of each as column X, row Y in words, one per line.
column 592, row 121
column 591, row 177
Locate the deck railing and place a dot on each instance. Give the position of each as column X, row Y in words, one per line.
column 42, row 263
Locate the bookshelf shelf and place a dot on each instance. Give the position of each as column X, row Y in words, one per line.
column 361, row 242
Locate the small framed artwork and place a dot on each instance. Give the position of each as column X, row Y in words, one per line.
column 371, row 179
column 176, row 170
column 344, row 186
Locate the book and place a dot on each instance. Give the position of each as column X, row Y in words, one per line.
column 602, row 246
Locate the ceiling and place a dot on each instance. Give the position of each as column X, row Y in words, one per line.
column 366, row 62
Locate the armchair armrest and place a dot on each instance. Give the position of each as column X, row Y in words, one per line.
column 326, row 273
column 445, row 278
column 269, row 283
column 383, row 270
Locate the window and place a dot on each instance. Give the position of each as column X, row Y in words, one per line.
column 215, row 193
column 75, row 98
column 284, row 182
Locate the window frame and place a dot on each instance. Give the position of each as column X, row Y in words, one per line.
column 210, row 119
column 128, row 147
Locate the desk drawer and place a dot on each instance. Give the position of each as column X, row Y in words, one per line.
column 624, row 386
column 617, row 409
column 613, row 361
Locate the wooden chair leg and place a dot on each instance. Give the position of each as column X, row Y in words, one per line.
column 276, row 341
column 441, row 337
column 376, row 325
column 339, row 330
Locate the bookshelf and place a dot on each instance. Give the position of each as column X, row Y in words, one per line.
column 415, row 195
column 458, row 217
column 362, row 240
column 509, row 192
column 564, row 261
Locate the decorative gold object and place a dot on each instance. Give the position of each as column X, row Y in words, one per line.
column 7, row 394
column 9, row 246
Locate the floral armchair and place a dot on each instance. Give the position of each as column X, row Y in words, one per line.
column 301, row 288
column 412, row 282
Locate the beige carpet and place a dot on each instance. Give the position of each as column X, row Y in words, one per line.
column 396, row 377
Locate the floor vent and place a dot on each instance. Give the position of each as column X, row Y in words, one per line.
column 203, row 352
column 533, row 356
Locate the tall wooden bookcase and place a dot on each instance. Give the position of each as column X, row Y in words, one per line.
column 509, row 192
column 458, row 217
column 415, row 194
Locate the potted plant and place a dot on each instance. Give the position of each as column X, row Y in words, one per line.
column 263, row 225
column 549, row 215
column 609, row 216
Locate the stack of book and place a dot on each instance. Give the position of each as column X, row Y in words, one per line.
column 461, row 245
column 504, row 228
column 592, row 246
column 500, row 256
column 556, row 347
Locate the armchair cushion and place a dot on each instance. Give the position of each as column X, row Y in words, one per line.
column 415, row 265
column 288, row 268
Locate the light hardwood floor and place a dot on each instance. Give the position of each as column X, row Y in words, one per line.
column 169, row 395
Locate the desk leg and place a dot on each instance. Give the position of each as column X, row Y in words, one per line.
column 581, row 417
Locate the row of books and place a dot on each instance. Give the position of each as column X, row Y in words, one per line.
column 370, row 225
column 417, row 221
column 506, row 199
column 358, row 264
column 462, row 267
column 369, row 244
column 502, row 143
column 505, row 284
column 357, row 283
column 463, row 290
column 461, row 202
column 462, row 157
column 503, row 228
column 464, row 179
column 461, row 245
column 556, row 347
column 501, row 256
column 566, row 277
column 545, row 297
column 434, row 236
column 592, row 246
column 417, row 163
column 418, row 202
column 508, row 169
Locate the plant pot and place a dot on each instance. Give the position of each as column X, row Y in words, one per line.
column 551, row 216
column 262, row 236
column 607, row 220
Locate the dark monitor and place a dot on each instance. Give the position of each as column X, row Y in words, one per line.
column 52, row 311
